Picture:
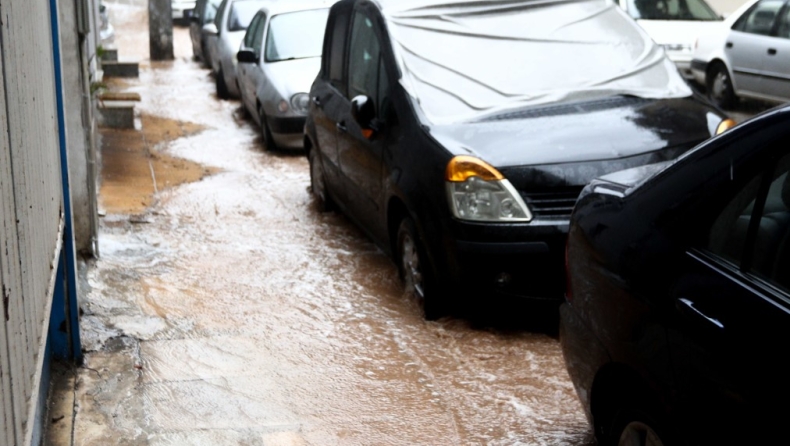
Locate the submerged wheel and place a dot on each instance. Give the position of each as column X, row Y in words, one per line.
column 415, row 270
column 222, row 87
column 266, row 133
column 720, row 89
column 318, row 182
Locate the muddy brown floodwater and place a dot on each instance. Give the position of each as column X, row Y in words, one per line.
column 232, row 312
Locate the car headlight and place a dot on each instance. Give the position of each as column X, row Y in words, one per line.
column 478, row 192
column 300, row 102
column 725, row 125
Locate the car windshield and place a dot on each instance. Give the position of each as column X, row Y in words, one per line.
column 241, row 14
column 671, row 10
column 485, row 58
column 296, row 35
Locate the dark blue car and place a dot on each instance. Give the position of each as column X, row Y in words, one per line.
column 677, row 314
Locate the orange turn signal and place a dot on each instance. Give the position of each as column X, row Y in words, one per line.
column 725, row 125
column 463, row 167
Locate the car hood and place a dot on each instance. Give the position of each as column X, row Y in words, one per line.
column 678, row 32
column 232, row 41
column 293, row 76
column 615, row 134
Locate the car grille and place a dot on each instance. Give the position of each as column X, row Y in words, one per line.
column 554, row 204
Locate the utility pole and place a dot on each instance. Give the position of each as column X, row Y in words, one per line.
column 160, row 29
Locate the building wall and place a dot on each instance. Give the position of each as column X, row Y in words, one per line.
column 31, row 210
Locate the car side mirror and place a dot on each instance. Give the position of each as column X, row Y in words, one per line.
column 210, row 29
column 246, row 56
column 364, row 112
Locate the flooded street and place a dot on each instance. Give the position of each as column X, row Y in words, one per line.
column 226, row 310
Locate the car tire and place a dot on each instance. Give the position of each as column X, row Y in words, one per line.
column 222, row 87
column 719, row 85
column 266, row 133
column 415, row 272
column 318, row 182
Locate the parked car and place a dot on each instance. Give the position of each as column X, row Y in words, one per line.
column 182, row 9
column 675, row 25
column 749, row 56
column 459, row 137
column 679, row 294
column 224, row 37
column 204, row 13
column 279, row 58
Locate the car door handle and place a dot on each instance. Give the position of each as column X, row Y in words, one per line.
column 690, row 306
column 772, row 51
column 341, row 126
column 729, row 45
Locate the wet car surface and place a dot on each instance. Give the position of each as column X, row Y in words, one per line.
column 230, row 311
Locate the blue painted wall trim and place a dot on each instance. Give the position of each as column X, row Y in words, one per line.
column 67, row 297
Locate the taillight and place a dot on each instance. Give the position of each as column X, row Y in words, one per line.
column 568, row 290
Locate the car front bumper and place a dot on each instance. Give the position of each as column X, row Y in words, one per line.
column 288, row 132
column 508, row 260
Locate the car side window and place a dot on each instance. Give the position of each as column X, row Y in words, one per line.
column 336, row 51
column 249, row 36
column 211, row 12
column 761, row 19
column 257, row 40
column 770, row 252
column 364, row 58
column 784, row 25
column 753, row 230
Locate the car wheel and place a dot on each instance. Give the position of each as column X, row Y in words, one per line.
column 415, row 271
column 266, row 133
column 318, row 182
column 222, row 88
column 720, row 89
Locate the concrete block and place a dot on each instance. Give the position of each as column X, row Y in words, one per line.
column 121, row 69
column 116, row 114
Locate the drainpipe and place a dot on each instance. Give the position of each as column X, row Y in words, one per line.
column 66, row 299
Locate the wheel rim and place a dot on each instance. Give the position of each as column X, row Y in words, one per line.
column 317, row 178
column 410, row 260
column 720, row 86
column 639, row 434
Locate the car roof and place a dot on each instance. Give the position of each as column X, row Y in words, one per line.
column 274, row 7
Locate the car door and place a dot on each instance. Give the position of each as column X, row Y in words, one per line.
column 776, row 71
column 360, row 150
column 328, row 96
column 748, row 43
column 213, row 40
column 732, row 315
column 248, row 72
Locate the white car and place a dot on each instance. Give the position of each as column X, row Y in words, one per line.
column 224, row 37
column 182, row 8
column 675, row 25
column 279, row 59
column 749, row 56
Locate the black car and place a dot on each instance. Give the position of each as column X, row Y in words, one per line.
column 678, row 303
column 459, row 135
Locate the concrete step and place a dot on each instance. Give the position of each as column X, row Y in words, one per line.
column 116, row 114
column 119, row 96
column 109, row 54
column 121, row 69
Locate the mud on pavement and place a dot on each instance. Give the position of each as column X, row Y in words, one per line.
column 232, row 312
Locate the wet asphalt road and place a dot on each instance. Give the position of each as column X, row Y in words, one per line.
column 232, row 312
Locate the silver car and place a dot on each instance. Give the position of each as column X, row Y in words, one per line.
column 224, row 36
column 749, row 56
column 279, row 59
